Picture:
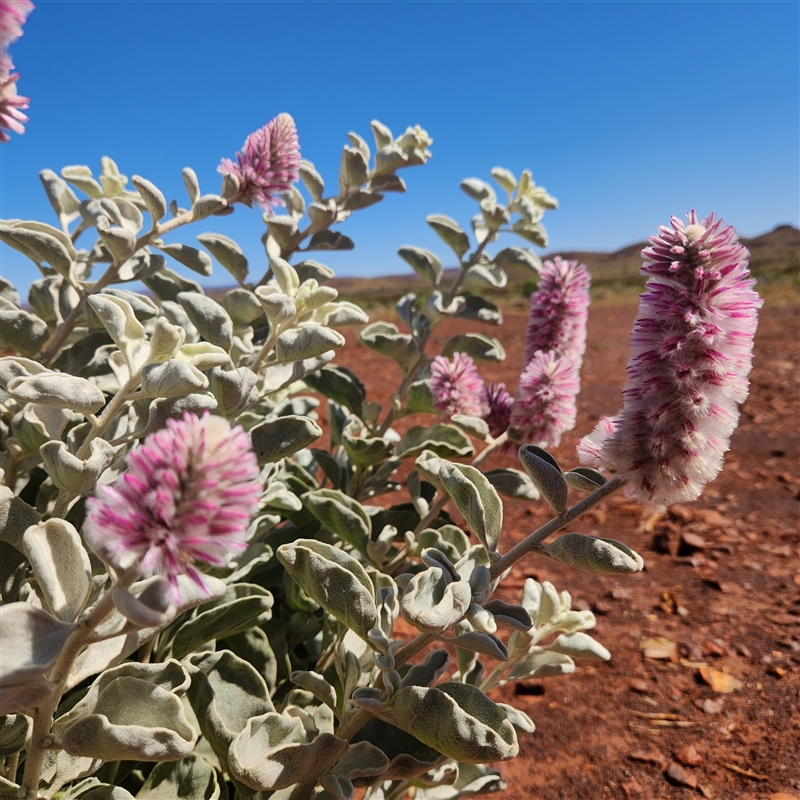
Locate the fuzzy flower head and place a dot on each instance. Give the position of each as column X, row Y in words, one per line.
column 544, row 405
column 187, row 496
column 559, row 309
column 268, row 163
column 456, row 386
column 11, row 105
column 13, row 14
column 498, row 413
column 691, row 352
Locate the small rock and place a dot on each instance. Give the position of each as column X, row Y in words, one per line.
column 710, row 706
column 712, row 648
column 743, row 650
column 640, row 686
column 601, row 607
column 688, row 756
column 620, row 594
column 681, row 513
column 648, row 757
column 713, row 518
column 677, row 775
column 691, row 543
column 660, row 649
column 720, row 681
column 632, row 788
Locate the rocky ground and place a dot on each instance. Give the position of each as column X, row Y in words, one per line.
column 702, row 694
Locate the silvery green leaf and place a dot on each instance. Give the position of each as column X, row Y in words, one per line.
column 544, row 472
column 49, row 230
column 202, row 355
column 367, row 451
column 20, row 697
column 476, row 499
column 474, row 426
column 579, row 645
column 584, row 479
column 329, row 240
column 152, row 608
column 342, row 314
column 437, row 310
column 510, row 616
column 341, row 514
column 387, row 183
column 359, row 144
column 428, row 465
column 43, row 297
column 236, row 390
column 225, row 693
column 191, row 183
column 385, row 338
column 484, row 643
column 477, row 189
column 111, row 178
column 549, row 605
column 172, row 378
column 58, row 391
column 476, row 345
column 540, row 664
column 143, row 307
column 152, row 196
column 165, row 340
column 18, row 367
column 13, row 732
column 305, row 342
column 519, row 719
column 361, row 198
column 41, row 245
column 353, row 169
column 505, row 177
column 433, row 601
column 441, row 439
column 32, row 641
column 131, row 217
column 190, row 257
column 242, row 306
column 481, row 277
column 282, row 375
column 512, row 483
column 16, row 516
column 311, row 296
column 285, row 276
column 119, row 319
column 61, row 197
column 494, row 214
column 456, row 719
column 8, row 292
column 526, row 208
column 283, row 230
column 531, row 231
column 128, row 719
column 121, row 243
column 22, row 331
column 450, row 232
column 279, row 307
column 419, row 398
column 322, row 215
column 210, row 204
column 141, row 266
column 166, row 285
column 382, row 135
column 209, row 317
column 191, row 778
column 113, row 649
column 312, row 180
column 278, row 438
column 339, row 384
column 481, row 309
column 314, row 682
column 520, row 257
column 423, row 262
column 313, row 269
column 591, row 554
column 451, row 540
column 272, row 753
column 333, row 579
column 243, row 606
column 227, row 252
column 70, row 473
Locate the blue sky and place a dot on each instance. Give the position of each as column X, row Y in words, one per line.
column 627, row 112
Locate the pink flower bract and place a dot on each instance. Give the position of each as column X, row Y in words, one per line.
column 13, row 14
column 456, row 386
column 691, row 352
column 187, row 496
column 11, row 105
column 499, row 403
column 544, row 405
column 559, row 309
column 268, row 162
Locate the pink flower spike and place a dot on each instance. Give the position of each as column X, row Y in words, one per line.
column 13, row 14
column 691, row 352
column 156, row 515
column 559, row 310
column 456, row 386
column 268, row 162
column 544, row 405
column 11, row 105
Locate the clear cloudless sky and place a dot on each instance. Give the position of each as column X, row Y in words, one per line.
column 627, row 112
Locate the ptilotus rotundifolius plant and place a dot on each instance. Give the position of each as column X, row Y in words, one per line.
column 13, row 14
column 691, row 352
column 203, row 593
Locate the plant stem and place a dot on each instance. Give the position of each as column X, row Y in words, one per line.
column 43, row 716
column 532, row 542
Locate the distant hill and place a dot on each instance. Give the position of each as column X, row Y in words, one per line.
column 772, row 255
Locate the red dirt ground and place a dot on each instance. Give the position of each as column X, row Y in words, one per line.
column 722, row 581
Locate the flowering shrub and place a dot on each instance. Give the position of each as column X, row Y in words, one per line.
column 200, row 596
